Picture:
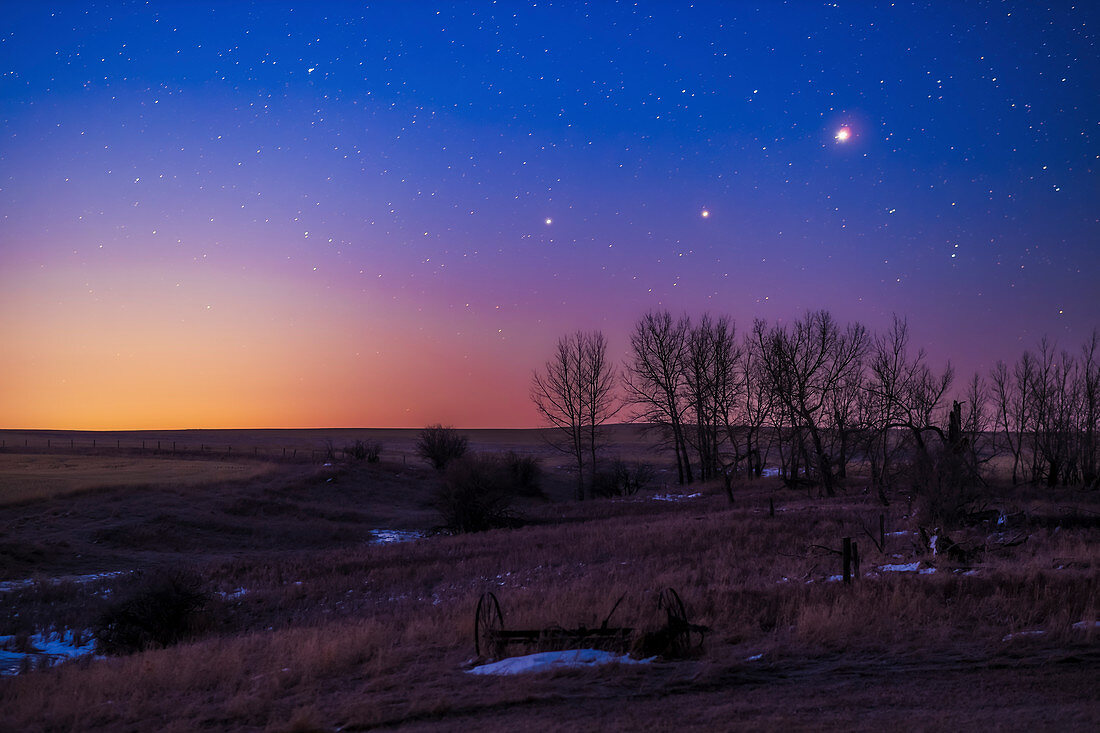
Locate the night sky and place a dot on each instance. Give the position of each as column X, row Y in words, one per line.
column 322, row 215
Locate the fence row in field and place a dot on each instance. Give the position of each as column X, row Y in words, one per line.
column 118, row 446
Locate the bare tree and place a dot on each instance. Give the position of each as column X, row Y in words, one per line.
column 713, row 386
column 439, row 445
column 906, row 394
column 598, row 398
column 1090, row 409
column 574, row 393
column 805, row 364
column 654, row 380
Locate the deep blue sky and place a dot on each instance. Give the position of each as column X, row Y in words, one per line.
column 267, row 200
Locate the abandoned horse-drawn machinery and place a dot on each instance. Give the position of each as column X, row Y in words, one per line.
column 678, row 637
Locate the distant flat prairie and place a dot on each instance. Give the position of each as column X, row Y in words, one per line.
column 36, row 476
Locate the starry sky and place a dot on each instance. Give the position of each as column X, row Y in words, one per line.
column 328, row 215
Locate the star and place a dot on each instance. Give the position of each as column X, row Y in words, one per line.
column 549, row 221
column 704, row 213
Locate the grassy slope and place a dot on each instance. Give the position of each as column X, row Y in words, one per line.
column 335, row 632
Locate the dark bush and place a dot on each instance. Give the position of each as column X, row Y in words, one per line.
column 374, row 451
column 165, row 610
column 620, row 479
column 439, row 445
column 368, row 451
column 946, row 489
column 476, row 495
column 525, row 473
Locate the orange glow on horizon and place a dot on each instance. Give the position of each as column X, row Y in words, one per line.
column 268, row 352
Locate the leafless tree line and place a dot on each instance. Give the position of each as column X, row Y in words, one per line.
column 1046, row 408
column 818, row 398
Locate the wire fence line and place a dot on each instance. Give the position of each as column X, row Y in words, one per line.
column 168, row 448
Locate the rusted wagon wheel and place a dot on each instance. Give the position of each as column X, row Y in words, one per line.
column 679, row 630
column 488, row 623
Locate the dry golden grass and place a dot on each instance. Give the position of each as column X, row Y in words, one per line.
column 25, row 477
column 356, row 636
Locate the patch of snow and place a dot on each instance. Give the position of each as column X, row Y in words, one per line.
column 11, row 585
column 43, row 650
column 1023, row 634
column 1084, row 625
column 550, row 661
column 675, row 497
column 389, row 536
column 909, row 567
column 770, row 472
column 900, row 533
column 754, row 658
column 234, row 594
column 834, row 579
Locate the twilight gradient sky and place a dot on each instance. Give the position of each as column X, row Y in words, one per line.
column 261, row 215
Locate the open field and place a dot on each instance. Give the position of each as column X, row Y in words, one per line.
column 38, row 476
column 312, row 625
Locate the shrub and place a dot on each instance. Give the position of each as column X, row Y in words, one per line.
column 476, row 495
column 525, row 473
column 368, row 451
column 374, row 451
column 439, row 445
column 621, row 480
column 945, row 488
column 165, row 610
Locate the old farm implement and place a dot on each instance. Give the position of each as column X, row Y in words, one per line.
column 677, row 637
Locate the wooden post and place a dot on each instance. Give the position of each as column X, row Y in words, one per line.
column 284, row 452
column 93, row 443
column 173, row 446
column 143, row 446
column 118, row 444
column 882, row 532
column 846, row 559
column 158, row 446
column 48, row 441
column 855, row 558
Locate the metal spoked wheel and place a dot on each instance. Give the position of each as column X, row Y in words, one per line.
column 488, row 623
column 678, row 627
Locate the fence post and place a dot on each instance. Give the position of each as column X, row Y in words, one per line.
column 48, row 441
column 846, row 559
column 855, row 558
